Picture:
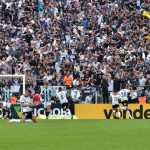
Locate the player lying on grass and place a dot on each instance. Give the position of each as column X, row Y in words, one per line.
column 115, row 104
column 61, row 95
column 27, row 107
column 124, row 94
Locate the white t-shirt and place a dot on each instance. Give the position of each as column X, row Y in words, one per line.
column 115, row 99
column 134, row 95
column 47, row 78
column 63, row 54
column 148, row 57
column 75, row 95
column 124, row 94
column 48, row 21
column 138, row 2
column 24, row 99
column 8, row 4
column 110, row 86
column 67, row 39
column 62, row 97
column 142, row 81
column 76, row 82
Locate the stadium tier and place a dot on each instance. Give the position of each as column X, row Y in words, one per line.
column 67, row 52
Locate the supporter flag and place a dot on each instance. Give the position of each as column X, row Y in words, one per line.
column 41, row 7
column 146, row 14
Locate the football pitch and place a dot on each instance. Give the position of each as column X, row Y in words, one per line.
column 76, row 135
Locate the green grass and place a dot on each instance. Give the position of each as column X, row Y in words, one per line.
column 76, row 135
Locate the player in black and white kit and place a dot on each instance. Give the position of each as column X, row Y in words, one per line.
column 61, row 95
column 26, row 104
column 124, row 93
column 115, row 104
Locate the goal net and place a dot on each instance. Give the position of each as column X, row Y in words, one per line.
column 16, row 83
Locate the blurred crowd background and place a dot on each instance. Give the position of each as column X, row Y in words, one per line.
column 92, row 43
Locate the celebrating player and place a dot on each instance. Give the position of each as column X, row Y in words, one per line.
column 46, row 95
column 63, row 100
column 6, row 94
column 26, row 104
column 115, row 104
column 124, row 93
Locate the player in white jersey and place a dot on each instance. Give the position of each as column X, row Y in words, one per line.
column 27, row 107
column 6, row 94
column 124, row 94
column 115, row 104
column 61, row 95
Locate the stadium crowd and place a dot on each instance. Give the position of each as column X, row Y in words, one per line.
column 92, row 42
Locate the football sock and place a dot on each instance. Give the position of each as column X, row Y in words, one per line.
column 119, row 114
column 69, row 112
column 47, row 114
column 129, row 114
column 8, row 111
column 4, row 112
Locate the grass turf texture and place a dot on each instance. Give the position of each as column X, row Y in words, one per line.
column 76, row 135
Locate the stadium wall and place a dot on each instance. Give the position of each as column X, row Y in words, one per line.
column 56, row 113
column 87, row 111
column 104, row 111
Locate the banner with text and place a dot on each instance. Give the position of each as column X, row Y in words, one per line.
column 57, row 112
column 104, row 111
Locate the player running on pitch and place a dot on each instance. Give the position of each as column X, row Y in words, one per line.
column 6, row 94
column 61, row 95
column 27, row 107
column 115, row 104
column 46, row 96
column 124, row 93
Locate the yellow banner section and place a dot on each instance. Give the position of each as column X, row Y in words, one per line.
column 104, row 111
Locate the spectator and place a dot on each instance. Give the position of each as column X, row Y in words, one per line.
column 89, row 39
column 68, row 80
column 142, row 99
column 105, row 94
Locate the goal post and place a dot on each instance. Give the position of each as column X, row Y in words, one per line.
column 15, row 76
